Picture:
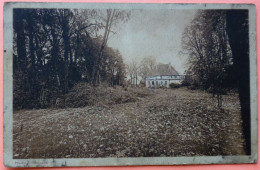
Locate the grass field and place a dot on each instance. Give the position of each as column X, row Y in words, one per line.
column 162, row 122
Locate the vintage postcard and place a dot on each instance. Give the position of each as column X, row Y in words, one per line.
column 96, row 84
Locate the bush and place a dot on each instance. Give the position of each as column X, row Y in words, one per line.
column 84, row 94
column 174, row 86
column 185, row 83
column 194, row 87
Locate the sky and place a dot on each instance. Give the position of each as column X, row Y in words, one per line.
column 154, row 33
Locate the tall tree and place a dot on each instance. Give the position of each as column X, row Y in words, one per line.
column 147, row 66
column 218, row 45
column 110, row 20
column 238, row 33
column 56, row 48
column 133, row 71
column 206, row 43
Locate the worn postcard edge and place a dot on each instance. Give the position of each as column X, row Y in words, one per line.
column 8, row 92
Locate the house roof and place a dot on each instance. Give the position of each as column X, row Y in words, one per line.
column 163, row 69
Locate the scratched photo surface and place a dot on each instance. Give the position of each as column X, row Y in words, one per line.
column 116, row 83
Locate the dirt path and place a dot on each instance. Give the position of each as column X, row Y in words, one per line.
column 175, row 122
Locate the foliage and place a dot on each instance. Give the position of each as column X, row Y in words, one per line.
column 217, row 42
column 138, row 71
column 84, row 94
column 133, row 70
column 147, row 65
column 238, row 32
column 109, row 20
column 56, row 48
column 174, row 85
column 206, row 42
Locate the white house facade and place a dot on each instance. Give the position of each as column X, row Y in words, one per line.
column 163, row 80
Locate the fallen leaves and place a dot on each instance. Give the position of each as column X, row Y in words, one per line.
column 163, row 123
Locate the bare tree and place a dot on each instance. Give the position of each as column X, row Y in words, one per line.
column 108, row 20
column 133, row 71
column 147, row 66
column 205, row 42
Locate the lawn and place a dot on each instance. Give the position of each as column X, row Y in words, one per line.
column 162, row 122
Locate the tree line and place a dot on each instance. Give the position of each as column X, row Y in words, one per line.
column 217, row 43
column 137, row 71
column 53, row 49
column 148, row 66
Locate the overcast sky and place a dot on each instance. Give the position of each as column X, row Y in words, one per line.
column 153, row 33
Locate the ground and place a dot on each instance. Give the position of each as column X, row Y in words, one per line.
column 163, row 122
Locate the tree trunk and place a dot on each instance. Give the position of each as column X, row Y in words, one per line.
column 96, row 72
column 31, row 70
column 136, row 80
column 237, row 29
column 219, row 97
column 39, row 53
column 21, row 49
column 54, row 54
column 66, row 42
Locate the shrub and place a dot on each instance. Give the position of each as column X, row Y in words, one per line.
column 84, row 94
column 185, row 82
column 174, row 85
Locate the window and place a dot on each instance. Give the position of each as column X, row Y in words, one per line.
column 165, row 83
column 156, row 83
column 152, row 82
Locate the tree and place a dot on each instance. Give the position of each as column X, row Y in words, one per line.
column 112, row 68
column 109, row 20
column 238, row 33
column 206, row 43
column 26, row 62
column 148, row 64
column 217, row 43
column 56, row 48
column 133, row 71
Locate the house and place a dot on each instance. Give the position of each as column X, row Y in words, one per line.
column 163, row 80
column 163, row 76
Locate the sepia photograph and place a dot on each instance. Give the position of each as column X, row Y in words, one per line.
column 138, row 81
